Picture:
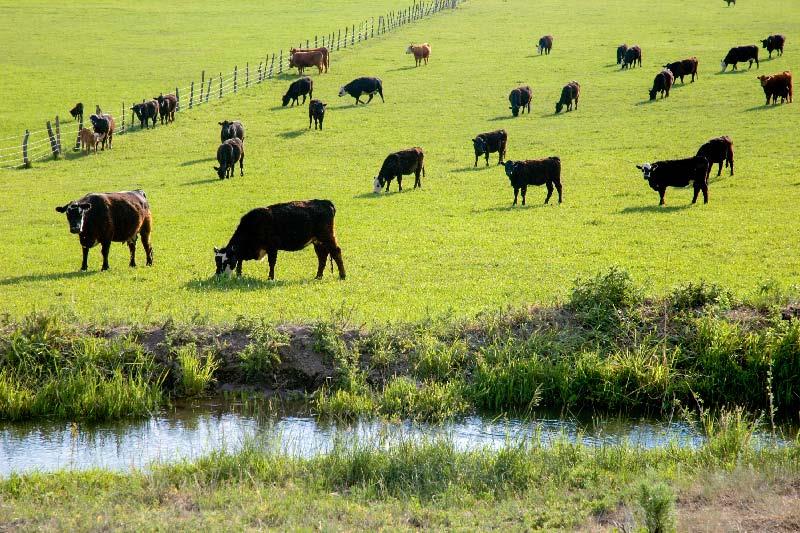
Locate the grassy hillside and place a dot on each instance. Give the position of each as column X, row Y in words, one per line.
column 455, row 246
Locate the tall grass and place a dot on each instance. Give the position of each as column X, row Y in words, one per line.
column 196, row 370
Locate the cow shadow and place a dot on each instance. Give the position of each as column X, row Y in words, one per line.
column 293, row 134
column 369, row 195
column 728, row 72
column 471, row 168
column 46, row 277
column 197, row 161
column 502, row 117
column 200, row 182
column 244, row 283
column 409, row 67
column 648, row 102
column 510, row 207
column 653, row 209
column 764, row 107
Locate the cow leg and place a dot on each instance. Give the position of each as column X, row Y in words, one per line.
column 322, row 256
column 549, row 186
column 558, row 188
column 144, row 231
column 239, row 268
column 272, row 257
column 104, row 248
column 720, row 169
column 516, row 191
column 705, row 193
column 358, row 101
column 84, row 264
column 524, row 192
column 476, row 161
column 400, row 183
column 241, row 165
column 371, row 96
column 417, row 182
column 661, row 193
column 486, row 155
column 132, row 248
column 696, row 192
column 336, row 254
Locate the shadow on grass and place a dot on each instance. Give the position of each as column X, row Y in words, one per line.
column 509, row 207
column 46, row 277
column 373, row 195
column 200, row 182
column 197, row 161
column 410, row 67
column 354, row 105
column 648, row 101
column 292, row 134
column 654, row 209
column 244, row 283
column 503, row 117
column 737, row 71
column 764, row 107
column 481, row 166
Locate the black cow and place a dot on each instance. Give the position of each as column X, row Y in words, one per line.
column 520, row 98
column 408, row 161
column 740, row 54
column 683, row 68
column 167, row 105
column 146, row 111
column 718, row 150
column 662, row 83
column 729, row 2
column 569, row 93
column 111, row 217
column 316, row 113
column 633, row 55
column 361, row 86
column 228, row 154
column 104, row 126
column 677, row 173
column 535, row 172
column 77, row 112
column 291, row 226
column 300, row 87
column 545, row 45
column 231, row 130
column 487, row 143
column 621, row 49
column 774, row 43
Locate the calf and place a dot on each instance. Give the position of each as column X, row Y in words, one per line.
column 147, row 111
column 316, row 113
column 301, row 60
column 777, row 85
column 291, row 226
column 718, row 150
column 621, row 49
column 683, row 68
column 740, row 54
column 104, row 126
column 520, row 98
column 361, row 86
column 662, row 84
column 535, row 172
column 111, row 217
column 321, row 49
column 89, row 140
column 167, row 105
column 231, row 130
column 409, row 161
column 677, row 173
column 633, row 55
column 774, row 43
column 421, row 52
column 77, row 112
column 229, row 153
column 301, row 87
column 545, row 45
column 487, row 143
column 569, row 93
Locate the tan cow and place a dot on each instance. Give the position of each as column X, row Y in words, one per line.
column 421, row 52
column 89, row 140
column 301, row 60
column 322, row 49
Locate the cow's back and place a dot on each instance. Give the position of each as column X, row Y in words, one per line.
column 294, row 225
column 116, row 216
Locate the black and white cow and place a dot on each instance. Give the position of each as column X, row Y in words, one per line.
column 677, row 173
column 361, row 86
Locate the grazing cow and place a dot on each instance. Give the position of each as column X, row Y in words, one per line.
column 291, row 226
column 621, row 49
column 411, row 160
column 421, row 52
column 545, row 45
column 774, row 43
column 487, row 143
column 104, row 126
column 729, row 2
column 147, row 111
column 111, row 217
column 89, row 140
column 167, row 105
column 322, row 49
column 316, row 113
column 520, row 98
column 77, row 112
column 677, row 173
column 229, row 153
column 535, row 172
column 569, row 93
column 683, row 68
column 301, row 87
column 777, row 85
column 230, row 130
column 662, row 84
column 718, row 150
column 633, row 55
column 740, row 54
column 361, row 86
column 301, row 60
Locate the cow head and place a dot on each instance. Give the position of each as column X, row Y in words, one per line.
column 723, row 65
column 226, row 260
column 765, row 42
column 653, row 93
column 220, row 170
column 285, row 100
column 377, row 185
column 559, row 107
column 514, row 109
column 410, row 49
column 647, row 170
column 342, row 91
column 227, row 129
column 318, row 108
column 763, row 80
column 136, row 108
column 510, row 166
column 539, row 48
column 479, row 143
column 75, row 215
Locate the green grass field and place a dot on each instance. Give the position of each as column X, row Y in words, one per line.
column 454, row 247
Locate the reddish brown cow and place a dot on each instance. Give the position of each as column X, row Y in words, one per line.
column 325, row 54
column 301, row 60
column 421, row 52
column 777, row 85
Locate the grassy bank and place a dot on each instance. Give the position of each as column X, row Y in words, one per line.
column 405, row 485
column 608, row 348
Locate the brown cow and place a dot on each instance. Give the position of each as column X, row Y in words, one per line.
column 777, row 85
column 89, row 140
column 301, row 60
column 111, row 217
column 325, row 53
column 409, row 161
column 421, row 52
column 104, row 126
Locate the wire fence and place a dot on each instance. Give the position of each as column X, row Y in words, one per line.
column 23, row 150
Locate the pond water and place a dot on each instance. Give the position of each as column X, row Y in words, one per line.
column 190, row 431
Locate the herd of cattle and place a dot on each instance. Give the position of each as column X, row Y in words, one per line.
column 262, row 232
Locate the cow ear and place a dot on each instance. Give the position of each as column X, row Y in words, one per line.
column 62, row 208
column 216, row 168
column 217, row 250
column 84, row 206
column 639, row 167
column 220, row 123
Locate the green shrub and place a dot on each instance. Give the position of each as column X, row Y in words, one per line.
column 657, row 507
column 699, row 295
column 602, row 302
column 261, row 355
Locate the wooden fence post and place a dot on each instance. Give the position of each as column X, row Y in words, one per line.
column 315, row 42
column 247, row 74
column 177, row 100
column 25, row 161
column 208, row 90
column 372, row 29
column 339, row 39
column 191, row 95
column 80, row 127
column 58, row 136
column 280, row 64
column 53, row 143
column 353, row 35
column 123, row 118
column 345, row 37
column 259, row 71
column 202, row 84
column 220, row 84
column 235, row 78
column 271, row 65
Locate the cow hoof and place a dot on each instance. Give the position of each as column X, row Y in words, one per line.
column 342, row 278
column 318, row 277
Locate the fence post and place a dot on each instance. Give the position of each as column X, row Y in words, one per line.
column 280, row 63
column 372, row 29
column 353, row 35
column 58, row 136
column 259, row 71
column 25, row 161
column 339, row 39
column 235, row 78
column 191, row 95
column 177, row 99
column 122, row 130
column 208, row 90
column 271, row 65
column 315, row 41
column 53, row 142
column 247, row 74
column 345, row 37
column 220, row 84
column 80, row 127
column 202, row 84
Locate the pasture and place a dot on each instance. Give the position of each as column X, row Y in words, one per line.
column 454, row 247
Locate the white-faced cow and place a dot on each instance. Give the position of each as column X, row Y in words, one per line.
column 677, row 173
column 408, row 161
column 362, row 86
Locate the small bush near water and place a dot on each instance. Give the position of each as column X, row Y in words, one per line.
column 196, row 370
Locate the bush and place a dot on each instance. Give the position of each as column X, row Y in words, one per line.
column 196, row 371
column 602, row 302
column 261, row 355
column 657, row 507
column 699, row 295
